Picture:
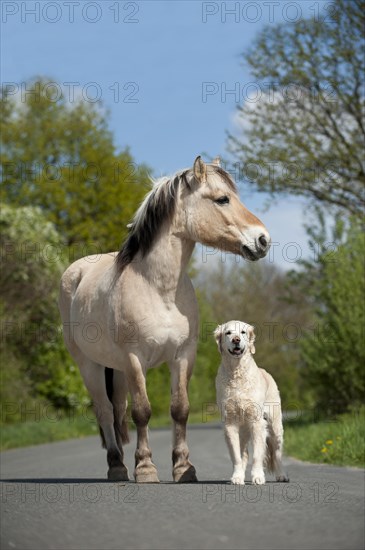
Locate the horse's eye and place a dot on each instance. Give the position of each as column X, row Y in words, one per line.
column 222, row 200
column 228, row 332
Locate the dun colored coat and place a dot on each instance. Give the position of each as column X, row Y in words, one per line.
column 133, row 310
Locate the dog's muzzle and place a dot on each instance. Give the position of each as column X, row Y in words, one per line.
column 237, row 351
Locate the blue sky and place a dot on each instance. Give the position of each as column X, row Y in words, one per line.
column 160, row 67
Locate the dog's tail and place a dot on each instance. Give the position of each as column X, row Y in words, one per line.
column 274, row 447
column 270, row 458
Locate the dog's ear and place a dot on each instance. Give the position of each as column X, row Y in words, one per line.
column 251, row 340
column 218, row 337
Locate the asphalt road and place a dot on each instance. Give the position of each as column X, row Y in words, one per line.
column 55, row 496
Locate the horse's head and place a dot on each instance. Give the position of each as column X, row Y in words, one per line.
column 215, row 216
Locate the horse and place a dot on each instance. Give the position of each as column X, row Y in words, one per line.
column 129, row 311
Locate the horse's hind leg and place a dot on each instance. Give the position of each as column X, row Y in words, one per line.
column 145, row 471
column 94, row 378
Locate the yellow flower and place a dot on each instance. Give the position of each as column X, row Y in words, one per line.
column 329, row 442
column 324, row 450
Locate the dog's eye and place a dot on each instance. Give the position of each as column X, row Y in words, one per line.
column 222, row 200
column 243, row 332
column 228, row 332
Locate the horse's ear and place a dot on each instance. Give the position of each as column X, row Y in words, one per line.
column 218, row 337
column 200, row 170
column 251, row 340
column 216, row 161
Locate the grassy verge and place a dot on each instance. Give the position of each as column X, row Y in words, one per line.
column 338, row 441
column 47, row 430
column 22, row 434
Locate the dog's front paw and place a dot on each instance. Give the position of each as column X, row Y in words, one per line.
column 258, row 479
column 238, row 479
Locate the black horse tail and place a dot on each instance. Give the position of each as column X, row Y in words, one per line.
column 120, row 426
column 109, row 375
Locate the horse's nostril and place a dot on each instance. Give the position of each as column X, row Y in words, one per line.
column 263, row 241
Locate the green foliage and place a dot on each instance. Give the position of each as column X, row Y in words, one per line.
column 202, row 383
column 35, row 363
column 46, row 425
column 334, row 353
column 338, row 440
column 31, row 258
column 158, row 390
column 255, row 293
column 69, row 193
column 16, row 394
column 305, row 135
column 61, row 157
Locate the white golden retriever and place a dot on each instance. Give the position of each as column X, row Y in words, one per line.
column 249, row 401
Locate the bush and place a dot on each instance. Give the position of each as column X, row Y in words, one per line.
column 334, row 353
column 35, row 364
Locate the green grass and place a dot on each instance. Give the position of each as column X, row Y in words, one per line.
column 23, row 434
column 339, row 441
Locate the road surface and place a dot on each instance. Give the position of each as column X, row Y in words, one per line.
column 55, row 496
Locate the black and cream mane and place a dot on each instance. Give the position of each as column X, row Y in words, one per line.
column 157, row 207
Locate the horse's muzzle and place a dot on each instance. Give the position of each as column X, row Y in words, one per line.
column 258, row 249
column 262, row 244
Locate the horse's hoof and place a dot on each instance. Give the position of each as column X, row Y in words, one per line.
column 146, row 474
column 118, row 473
column 183, row 474
column 146, row 478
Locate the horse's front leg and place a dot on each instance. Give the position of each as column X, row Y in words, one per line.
column 145, row 471
column 181, row 369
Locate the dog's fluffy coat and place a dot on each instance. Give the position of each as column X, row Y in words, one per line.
column 249, row 401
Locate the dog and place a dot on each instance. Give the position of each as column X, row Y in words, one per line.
column 249, row 400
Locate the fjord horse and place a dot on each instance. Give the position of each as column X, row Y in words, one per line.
column 133, row 310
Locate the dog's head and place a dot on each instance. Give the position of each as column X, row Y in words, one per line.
column 235, row 338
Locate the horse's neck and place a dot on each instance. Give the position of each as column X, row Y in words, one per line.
column 165, row 264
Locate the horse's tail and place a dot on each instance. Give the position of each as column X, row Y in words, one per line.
column 109, row 376
column 120, row 421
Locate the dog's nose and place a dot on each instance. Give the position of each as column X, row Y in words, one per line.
column 236, row 339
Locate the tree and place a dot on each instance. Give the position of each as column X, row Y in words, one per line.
column 60, row 156
column 305, row 136
column 35, row 363
column 67, row 192
column 333, row 353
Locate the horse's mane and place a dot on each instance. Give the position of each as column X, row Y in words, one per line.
column 157, row 207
